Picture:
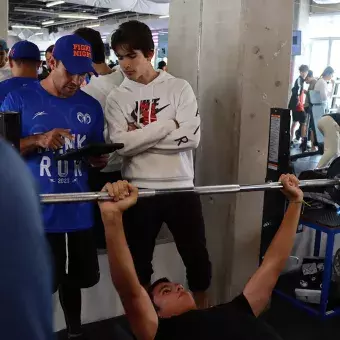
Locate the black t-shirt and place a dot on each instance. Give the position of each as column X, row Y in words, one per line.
column 231, row 321
column 336, row 117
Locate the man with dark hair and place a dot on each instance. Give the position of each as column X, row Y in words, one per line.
column 46, row 68
column 24, row 60
column 48, row 56
column 176, row 316
column 155, row 116
column 162, row 66
column 5, row 70
column 99, row 87
column 296, row 104
column 57, row 116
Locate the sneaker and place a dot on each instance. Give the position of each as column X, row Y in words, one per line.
column 303, row 145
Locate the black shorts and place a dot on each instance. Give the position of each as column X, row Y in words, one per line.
column 75, row 258
column 182, row 212
column 299, row 116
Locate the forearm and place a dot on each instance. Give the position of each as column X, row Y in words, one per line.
column 260, row 287
column 122, row 269
column 28, row 144
column 140, row 140
column 281, row 246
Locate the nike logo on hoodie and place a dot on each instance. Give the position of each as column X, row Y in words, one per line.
column 147, row 115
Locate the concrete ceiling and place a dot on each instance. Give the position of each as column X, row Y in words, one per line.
column 35, row 12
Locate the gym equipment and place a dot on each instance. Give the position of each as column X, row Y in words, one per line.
column 330, row 172
column 278, row 163
column 10, row 127
column 207, row 190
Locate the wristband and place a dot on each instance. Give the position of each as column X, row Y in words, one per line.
column 300, row 202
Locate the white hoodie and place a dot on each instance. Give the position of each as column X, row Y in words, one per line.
column 99, row 88
column 157, row 155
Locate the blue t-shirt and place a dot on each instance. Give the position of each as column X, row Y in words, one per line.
column 12, row 84
column 42, row 112
column 26, row 278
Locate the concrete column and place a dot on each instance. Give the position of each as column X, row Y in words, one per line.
column 3, row 19
column 236, row 55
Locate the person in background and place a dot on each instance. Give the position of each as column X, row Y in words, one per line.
column 167, row 311
column 48, row 57
column 57, row 116
column 162, row 66
column 329, row 127
column 5, row 70
column 99, row 88
column 325, row 86
column 46, row 68
column 296, row 104
column 24, row 60
column 98, row 49
column 311, row 81
column 155, row 116
column 26, row 284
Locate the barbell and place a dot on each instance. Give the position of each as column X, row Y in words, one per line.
column 204, row 190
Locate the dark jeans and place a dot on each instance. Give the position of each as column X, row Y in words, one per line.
column 182, row 212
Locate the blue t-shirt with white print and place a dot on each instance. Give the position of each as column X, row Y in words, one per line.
column 12, row 84
column 42, row 112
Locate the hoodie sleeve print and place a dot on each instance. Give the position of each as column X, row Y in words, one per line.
column 139, row 140
column 187, row 136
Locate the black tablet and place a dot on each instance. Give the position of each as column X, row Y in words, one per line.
column 90, row 150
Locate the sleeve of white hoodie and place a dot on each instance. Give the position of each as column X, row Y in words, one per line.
column 137, row 141
column 187, row 136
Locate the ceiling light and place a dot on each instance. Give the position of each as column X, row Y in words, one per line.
column 28, row 27
column 113, row 10
column 54, row 3
column 39, row 33
column 77, row 16
column 48, row 22
column 92, row 26
column 164, row 16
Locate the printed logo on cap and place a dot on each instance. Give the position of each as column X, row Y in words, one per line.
column 82, row 51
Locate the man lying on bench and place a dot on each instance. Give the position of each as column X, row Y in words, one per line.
column 168, row 311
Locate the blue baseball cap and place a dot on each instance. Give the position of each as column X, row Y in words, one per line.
column 25, row 50
column 3, row 45
column 75, row 53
